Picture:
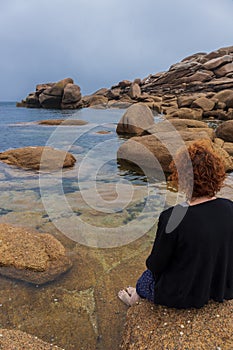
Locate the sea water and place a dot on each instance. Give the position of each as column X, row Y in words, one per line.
column 113, row 208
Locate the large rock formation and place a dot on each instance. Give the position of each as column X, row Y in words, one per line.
column 156, row 327
column 38, row 158
column 11, row 339
column 29, row 256
column 225, row 131
column 63, row 94
column 135, row 120
column 71, row 96
column 154, row 153
column 195, row 83
column 198, row 78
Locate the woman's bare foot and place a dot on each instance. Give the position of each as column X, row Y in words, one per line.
column 129, row 299
column 125, row 297
column 134, row 298
column 131, row 290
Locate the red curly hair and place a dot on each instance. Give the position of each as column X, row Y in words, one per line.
column 198, row 170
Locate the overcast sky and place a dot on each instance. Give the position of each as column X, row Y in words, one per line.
column 100, row 42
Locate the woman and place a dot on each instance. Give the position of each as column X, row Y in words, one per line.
column 192, row 262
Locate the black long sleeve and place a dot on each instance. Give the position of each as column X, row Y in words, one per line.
column 163, row 248
column 194, row 262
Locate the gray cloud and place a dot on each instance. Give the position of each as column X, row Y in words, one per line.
column 101, row 42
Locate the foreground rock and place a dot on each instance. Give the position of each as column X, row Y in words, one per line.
column 152, row 154
column 38, row 158
column 14, row 339
column 156, row 151
column 29, row 256
column 155, row 327
column 62, row 122
column 135, row 120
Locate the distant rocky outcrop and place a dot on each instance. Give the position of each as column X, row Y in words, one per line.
column 200, row 86
column 150, row 326
column 29, row 256
column 195, row 83
column 61, row 95
column 38, row 158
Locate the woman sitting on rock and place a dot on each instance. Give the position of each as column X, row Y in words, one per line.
column 191, row 260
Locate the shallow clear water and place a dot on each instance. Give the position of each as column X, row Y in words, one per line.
column 95, row 183
column 109, row 206
column 96, row 199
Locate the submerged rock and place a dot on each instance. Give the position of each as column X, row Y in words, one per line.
column 15, row 339
column 38, row 158
column 29, row 256
column 62, row 122
column 150, row 326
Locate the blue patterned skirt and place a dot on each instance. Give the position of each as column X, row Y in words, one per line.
column 145, row 286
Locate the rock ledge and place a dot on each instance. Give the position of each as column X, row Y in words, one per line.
column 151, row 326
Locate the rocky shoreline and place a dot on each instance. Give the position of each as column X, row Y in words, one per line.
column 190, row 95
column 189, row 87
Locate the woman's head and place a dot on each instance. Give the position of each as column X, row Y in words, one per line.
column 198, row 170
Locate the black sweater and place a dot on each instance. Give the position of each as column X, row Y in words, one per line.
column 194, row 262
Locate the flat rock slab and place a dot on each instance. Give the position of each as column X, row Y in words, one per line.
column 29, row 256
column 152, row 326
column 103, row 132
column 14, row 339
column 62, row 122
column 38, row 158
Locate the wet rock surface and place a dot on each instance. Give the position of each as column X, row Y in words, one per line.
column 62, row 122
column 29, row 256
column 38, row 158
column 75, row 311
column 15, row 339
